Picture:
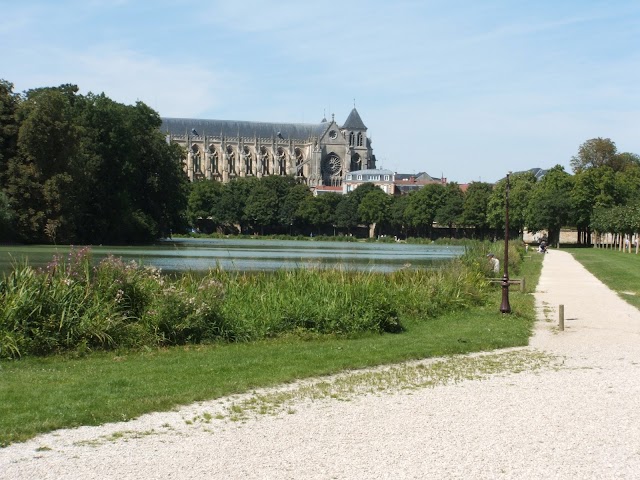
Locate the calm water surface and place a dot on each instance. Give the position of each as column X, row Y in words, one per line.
column 180, row 255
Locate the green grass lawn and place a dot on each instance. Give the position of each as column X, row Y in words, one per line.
column 619, row 271
column 43, row 394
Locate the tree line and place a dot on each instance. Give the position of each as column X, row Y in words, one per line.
column 84, row 169
column 602, row 179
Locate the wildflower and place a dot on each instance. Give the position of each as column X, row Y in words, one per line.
column 119, row 296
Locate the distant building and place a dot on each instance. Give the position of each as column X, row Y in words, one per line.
column 407, row 183
column 390, row 182
column 323, row 189
column 319, row 154
column 385, row 179
column 538, row 172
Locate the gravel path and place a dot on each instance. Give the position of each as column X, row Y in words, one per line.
column 567, row 406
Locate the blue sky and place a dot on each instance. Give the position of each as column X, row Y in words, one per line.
column 468, row 89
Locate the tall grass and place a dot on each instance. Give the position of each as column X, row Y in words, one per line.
column 341, row 303
column 72, row 306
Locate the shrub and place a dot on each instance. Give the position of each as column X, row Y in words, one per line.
column 71, row 306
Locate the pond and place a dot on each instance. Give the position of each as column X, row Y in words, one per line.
column 190, row 254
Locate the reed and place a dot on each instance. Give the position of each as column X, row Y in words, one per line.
column 71, row 306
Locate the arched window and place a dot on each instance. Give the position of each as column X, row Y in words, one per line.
column 299, row 162
column 232, row 160
column 213, row 158
column 360, row 139
column 197, row 159
column 351, row 139
column 264, row 161
column 356, row 162
column 247, row 158
column 282, row 161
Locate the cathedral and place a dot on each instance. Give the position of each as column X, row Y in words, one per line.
column 319, row 154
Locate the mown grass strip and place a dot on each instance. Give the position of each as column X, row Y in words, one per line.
column 617, row 270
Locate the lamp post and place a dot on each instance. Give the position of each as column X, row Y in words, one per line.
column 505, row 307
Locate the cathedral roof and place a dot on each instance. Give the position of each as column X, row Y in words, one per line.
column 354, row 122
column 234, row 128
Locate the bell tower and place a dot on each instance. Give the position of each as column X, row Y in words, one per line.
column 355, row 132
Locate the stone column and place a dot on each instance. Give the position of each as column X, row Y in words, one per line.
column 224, row 158
column 190, row 165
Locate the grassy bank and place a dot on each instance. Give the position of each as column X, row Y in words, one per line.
column 619, row 271
column 43, row 394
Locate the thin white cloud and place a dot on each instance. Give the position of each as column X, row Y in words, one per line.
column 171, row 88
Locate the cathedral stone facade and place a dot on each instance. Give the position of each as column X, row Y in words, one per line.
column 319, row 154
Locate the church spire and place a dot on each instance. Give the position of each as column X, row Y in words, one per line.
column 354, row 122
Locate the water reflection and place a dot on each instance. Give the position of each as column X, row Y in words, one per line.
column 181, row 255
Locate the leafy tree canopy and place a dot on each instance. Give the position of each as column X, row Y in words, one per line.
column 475, row 205
column 550, row 205
column 87, row 169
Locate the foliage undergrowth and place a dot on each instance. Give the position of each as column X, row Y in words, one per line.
column 72, row 306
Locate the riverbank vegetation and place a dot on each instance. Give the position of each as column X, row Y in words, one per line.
column 311, row 323
column 73, row 306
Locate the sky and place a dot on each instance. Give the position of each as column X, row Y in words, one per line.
column 465, row 89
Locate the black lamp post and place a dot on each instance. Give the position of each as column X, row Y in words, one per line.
column 505, row 307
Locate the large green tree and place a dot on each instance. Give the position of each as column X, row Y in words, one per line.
column 397, row 214
column 475, row 207
column 290, row 210
column 596, row 152
column 234, row 199
column 423, row 206
column 450, row 212
column 261, row 209
column 583, row 197
column 318, row 213
column 281, row 186
column 550, row 205
column 346, row 214
column 521, row 185
column 374, row 209
column 135, row 177
column 40, row 175
column 9, row 102
column 204, row 205
column 90, row 170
